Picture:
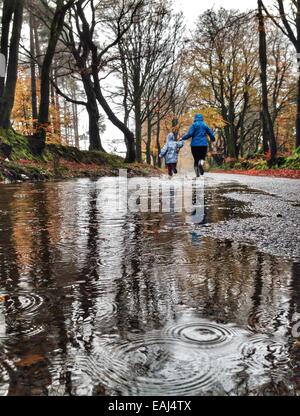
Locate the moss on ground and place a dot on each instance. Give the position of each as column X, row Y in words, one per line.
column 259, row 163
column 292, row 162
column 73, row 154
column 19, row 145
column 18, row 162
column 20, row 150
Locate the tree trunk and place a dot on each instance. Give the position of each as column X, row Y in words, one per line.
column 129, row 136
column 76, row 125
column 138, row 130
column 8, row 98
column 94, row 135
column 157, row 139
column 55, row 116
column 298, row 89
column 231, row 149
column 94, row 115
column 149, row 139
column 269, row 128
column 65, row 124
column 290, row 21
column 130, row 146
column 241, row 123
column 226, row 132
column 242, row 140
column 55, row 31
column 232, row 153
column 265, row 135
column 7, row 15
column 298, row 116
column 75, row 117
column 34, row 104
column 37, row 43
column 224, row 143
column 57, row 109
column 92, row 104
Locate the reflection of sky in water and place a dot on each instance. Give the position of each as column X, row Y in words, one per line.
column 137, row 303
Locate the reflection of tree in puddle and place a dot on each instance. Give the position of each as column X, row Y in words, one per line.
column 86, row 275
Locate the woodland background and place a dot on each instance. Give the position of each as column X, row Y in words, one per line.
column 136, row 62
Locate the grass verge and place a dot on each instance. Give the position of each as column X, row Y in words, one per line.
column 18, row 162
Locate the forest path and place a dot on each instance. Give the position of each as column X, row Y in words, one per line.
column 276, row 204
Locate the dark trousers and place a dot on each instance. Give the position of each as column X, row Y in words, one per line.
column 199, row 153
column 171, row 168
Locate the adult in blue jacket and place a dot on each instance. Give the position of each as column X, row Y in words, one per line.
column 198, row 133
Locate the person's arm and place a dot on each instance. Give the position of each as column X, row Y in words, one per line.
column 163, row 151
column 180, row 145
column 210, row 134
column 189, row 135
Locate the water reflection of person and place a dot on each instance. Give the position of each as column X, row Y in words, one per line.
column 199, row 212
column 197, row 237
column 198, row 219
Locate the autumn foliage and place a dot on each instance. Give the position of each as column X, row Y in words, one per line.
column 22, row 119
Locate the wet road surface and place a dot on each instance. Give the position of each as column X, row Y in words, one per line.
column 94, row 303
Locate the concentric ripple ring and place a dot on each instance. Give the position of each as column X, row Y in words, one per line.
column 203, row 333
column 154, row 366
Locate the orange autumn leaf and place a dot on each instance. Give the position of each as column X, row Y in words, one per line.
column 29, row 360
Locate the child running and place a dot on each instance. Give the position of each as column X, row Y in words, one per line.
column 170, row 153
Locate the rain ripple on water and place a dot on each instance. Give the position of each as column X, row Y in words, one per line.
column 204, row 334
column 153, row 366
column 20, row 311
column 186, row 358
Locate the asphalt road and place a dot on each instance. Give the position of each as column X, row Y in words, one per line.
column 275, row 203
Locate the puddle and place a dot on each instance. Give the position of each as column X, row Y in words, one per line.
column 138, row 304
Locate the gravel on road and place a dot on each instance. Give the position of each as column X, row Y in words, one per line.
column 276, row 205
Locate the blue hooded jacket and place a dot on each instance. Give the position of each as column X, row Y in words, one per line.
column 199, row 132
column 171, row 149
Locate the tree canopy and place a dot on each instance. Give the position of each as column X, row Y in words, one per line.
column 74, row 65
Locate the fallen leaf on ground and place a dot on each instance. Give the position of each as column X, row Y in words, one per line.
column 29, row 360
column 296, row 344
column 276, row 173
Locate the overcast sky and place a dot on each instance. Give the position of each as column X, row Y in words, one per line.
column 191, row 9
